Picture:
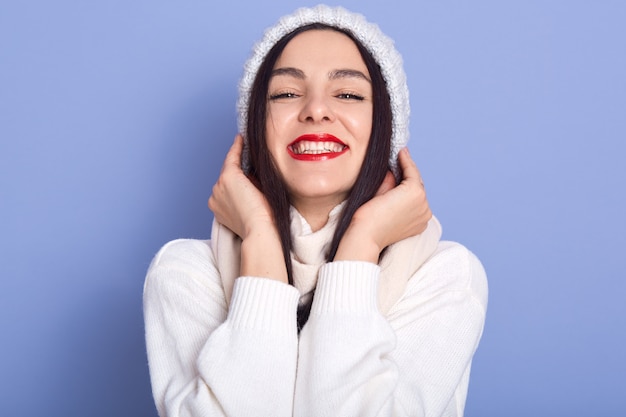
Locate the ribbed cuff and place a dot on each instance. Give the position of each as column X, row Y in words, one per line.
column 264, row 304
column 346, row 287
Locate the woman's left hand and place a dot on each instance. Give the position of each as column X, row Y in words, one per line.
column 394, row 214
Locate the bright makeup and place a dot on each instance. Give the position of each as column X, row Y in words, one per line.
column 316, row 147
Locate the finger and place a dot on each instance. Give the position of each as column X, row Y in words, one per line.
column 409, row 169
column 211, row 202
column 233, row 157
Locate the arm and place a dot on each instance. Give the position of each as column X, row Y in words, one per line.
column 355, row 362
column 416, row 362
column 240, row 206
column 206, row 359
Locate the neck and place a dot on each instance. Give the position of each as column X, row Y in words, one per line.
column 315, row 210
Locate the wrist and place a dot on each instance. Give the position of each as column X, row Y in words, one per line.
column 260, row 230
column 357, row 247
column 262, row 255
column 259, row 225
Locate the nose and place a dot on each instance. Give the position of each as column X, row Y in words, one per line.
column 317, row 108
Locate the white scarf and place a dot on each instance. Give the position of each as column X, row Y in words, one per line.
column 398, row 264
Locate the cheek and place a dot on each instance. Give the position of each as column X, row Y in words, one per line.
column 361, row 124
column 278, row 119
column 362, row 132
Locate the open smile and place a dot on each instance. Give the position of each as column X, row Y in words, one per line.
column 316, row 147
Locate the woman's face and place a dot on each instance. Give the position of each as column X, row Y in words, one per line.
column 319, row 116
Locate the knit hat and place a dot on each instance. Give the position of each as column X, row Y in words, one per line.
column 369, row 34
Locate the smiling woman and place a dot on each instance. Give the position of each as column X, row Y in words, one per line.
column 324, row 289
column 319, row 91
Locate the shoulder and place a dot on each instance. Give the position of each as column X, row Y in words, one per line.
column 182, row 252
column 453, row 268
column 183, row 263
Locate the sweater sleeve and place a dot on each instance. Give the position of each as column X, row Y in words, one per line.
column 209, row 360
column 415, row 362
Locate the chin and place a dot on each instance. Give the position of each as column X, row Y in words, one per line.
column 320, row 191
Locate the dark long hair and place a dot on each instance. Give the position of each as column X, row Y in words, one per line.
column 264, row 172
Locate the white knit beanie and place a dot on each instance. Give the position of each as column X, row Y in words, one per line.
column 369, row 34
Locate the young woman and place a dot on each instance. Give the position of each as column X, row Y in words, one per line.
column 324, row 290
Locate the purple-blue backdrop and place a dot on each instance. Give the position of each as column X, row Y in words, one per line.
column 115, row 117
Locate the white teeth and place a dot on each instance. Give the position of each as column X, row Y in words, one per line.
column 307, row 147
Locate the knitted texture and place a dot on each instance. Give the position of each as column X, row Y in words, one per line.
column 369, row 34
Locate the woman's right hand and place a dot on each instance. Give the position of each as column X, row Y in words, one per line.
column 239, row 205
column 235, row 201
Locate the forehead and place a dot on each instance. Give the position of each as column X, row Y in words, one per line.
column 321, row 48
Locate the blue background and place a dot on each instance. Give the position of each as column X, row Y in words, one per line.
column 115, row 117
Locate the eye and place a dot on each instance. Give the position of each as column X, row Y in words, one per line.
column 351, row 96
column 283, row 95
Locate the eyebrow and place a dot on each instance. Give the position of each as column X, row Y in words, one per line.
column 333, row 75
column 290, row 71
column 347, row 73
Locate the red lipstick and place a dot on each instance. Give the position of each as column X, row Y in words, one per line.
column 315, row 157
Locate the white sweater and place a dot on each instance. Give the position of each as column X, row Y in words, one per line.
column 349, row 360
